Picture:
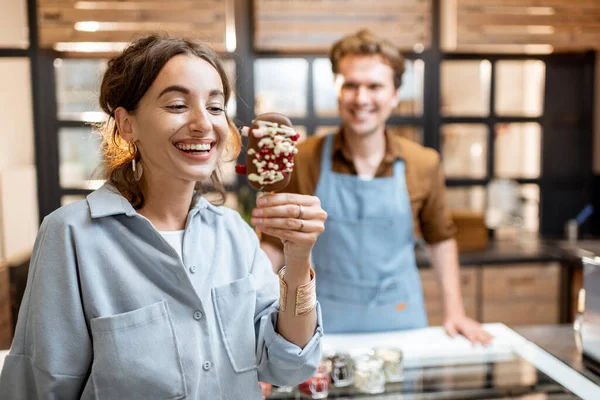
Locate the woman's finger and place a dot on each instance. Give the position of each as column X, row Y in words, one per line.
column 291, row 224
column 278, row 199
column 244, row 130
column 306, row 238
column 290, row 211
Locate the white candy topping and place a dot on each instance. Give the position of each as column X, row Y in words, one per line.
column 277, row 146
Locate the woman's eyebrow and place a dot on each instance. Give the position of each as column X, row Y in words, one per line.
column 216, row 92
column 174, row 88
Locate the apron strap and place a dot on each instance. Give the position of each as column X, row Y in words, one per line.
column 327, row 153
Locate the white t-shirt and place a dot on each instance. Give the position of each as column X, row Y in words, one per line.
column 175, row 239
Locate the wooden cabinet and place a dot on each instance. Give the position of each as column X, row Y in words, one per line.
column 524, row 294
column 514, row 294
column 433, row 298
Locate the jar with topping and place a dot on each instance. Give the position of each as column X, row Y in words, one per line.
column 393, row 363
column 368, row 374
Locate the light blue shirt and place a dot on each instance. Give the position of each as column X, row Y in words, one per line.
column 112, row 312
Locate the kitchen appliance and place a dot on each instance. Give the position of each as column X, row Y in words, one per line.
column 437, row 367
column 590, row 327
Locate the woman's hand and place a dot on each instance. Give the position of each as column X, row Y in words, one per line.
column 296, row 219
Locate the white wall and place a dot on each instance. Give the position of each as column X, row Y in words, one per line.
column 16, row 135
column 13, row 20
column 18, row 194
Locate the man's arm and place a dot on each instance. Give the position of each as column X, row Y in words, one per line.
column 444, row 260
column 438, row 231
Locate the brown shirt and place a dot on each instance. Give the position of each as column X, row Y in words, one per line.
column 425, row 180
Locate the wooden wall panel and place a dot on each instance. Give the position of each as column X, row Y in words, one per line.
column 313, row 25
column 123, row 21
column 566, row 25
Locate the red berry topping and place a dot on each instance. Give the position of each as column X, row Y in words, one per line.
column 295, row 137
column 240, row 169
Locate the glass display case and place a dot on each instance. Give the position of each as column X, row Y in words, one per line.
column 432, row 366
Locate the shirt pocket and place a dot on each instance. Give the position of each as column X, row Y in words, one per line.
column 136, row 355
column 235, row 305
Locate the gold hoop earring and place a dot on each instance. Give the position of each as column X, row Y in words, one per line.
column 135, row 166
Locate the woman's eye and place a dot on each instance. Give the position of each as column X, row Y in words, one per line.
column 177, row 107
column 216, row 110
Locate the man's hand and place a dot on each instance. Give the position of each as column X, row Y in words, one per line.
column 469, row 328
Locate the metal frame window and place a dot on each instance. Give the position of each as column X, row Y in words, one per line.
column 430, row 121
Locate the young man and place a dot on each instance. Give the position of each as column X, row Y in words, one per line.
column 380, row 192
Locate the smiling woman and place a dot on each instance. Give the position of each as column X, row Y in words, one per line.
column 172, row 99
column 147, row 290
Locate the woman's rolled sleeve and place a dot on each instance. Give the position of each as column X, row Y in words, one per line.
column 279, row 361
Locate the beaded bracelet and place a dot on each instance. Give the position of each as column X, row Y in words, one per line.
column 306, row 295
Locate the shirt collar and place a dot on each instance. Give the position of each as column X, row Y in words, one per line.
column 393, row 149
column 107, row 201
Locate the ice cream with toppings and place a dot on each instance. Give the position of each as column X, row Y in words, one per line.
column 270, row 155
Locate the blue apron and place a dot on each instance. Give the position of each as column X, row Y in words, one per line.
column 365, row 262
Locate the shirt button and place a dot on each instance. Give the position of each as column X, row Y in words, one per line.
column 197, row 315
column 193, row 269
column 206, row 366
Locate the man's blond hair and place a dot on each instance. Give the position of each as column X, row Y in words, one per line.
column 365, row 42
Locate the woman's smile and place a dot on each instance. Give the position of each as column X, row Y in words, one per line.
column 196, row 150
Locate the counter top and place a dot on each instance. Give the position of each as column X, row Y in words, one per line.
column 525, row 250
column 505, row 252
column 557, row 340
column 431, row 347
column 560, row 341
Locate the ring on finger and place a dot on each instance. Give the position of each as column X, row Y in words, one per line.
column 300, row 211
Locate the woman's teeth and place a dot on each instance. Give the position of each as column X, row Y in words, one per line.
column 193, row 147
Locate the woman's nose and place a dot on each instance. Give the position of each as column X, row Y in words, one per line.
column 200, row 121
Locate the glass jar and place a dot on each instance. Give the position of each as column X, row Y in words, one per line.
column 317, row 386
column 368, row 374
column 342, row 370
column 393, row 363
